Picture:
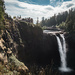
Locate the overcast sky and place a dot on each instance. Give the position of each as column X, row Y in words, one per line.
column 37, row 8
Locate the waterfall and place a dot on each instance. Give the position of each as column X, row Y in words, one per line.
column 62, row 51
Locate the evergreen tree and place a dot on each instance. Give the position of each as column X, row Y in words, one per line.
column 37, row 21
column 70, row 21
column 55, row 20
column 43, row 22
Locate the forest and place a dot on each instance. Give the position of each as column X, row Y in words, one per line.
column 64, row 20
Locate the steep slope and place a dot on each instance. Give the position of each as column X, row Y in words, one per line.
column 9, row 42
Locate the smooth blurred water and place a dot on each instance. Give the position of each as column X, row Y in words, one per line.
column 62, row 51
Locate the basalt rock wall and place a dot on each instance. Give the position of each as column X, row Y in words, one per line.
column 39, row 48
column 70, row 40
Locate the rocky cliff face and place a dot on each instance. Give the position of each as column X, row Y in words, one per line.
column 9, row 42
column 70, row 39
column 38, row 48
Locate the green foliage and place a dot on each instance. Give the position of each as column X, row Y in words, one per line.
column 14, row 63
column 2, row 8
column 54, row 20
column 7, row 17
column 44, row 27
column 35, row 70
column 62, row 25
column 70, row 22
column 2, row 27
column 14, row 17
column 63, row 20
column 3, row 69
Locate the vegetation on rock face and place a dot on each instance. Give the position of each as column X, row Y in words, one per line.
column 4, row 70
column 35, row 70
column 2, row 8
column 15, row 64
column 9, row 64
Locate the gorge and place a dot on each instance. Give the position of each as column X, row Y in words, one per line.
column 31, row 45
column 44, row 48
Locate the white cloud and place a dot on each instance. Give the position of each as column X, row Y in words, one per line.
column 68, row 5
column 16, row 8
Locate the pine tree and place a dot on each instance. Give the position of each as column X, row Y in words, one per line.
column 37, row 21
column 70, row 21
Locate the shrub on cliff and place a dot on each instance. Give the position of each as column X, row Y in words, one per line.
column 15, row 64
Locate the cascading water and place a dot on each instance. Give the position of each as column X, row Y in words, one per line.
column 62, row 51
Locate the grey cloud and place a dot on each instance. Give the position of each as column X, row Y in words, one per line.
column 48, row 8
column 69, row 5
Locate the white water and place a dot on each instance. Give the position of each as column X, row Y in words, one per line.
column 62, row 51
